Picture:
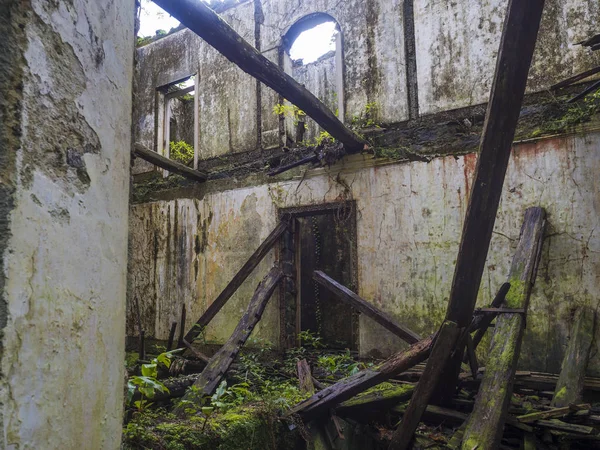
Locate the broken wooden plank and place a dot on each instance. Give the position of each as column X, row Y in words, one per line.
column 484, row 321
column 203, row 21
column 550, row 414
column 586, row 91
column 220, row 362
column 345, row 389
column 472, row 357
column 237, row 281
column 305, row 377
column 496, row 388
column 171, row 336
column 445, row 343
column 300, row 162
column 196, row 353
column 576, row 78
column 517, row 43
column 182, row 327
column 168, row 164
column 569, row 388
column 556, row 424
column 479, row 311
column 366, row 308
column 377, row 399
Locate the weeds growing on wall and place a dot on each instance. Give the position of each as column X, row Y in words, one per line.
column 181, row 151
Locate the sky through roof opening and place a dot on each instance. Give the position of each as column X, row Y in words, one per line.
column 315, row 42
column 309, row 46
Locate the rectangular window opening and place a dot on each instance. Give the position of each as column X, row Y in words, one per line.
column 177, row 132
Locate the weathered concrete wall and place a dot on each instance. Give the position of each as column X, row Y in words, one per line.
column 65, row 115
column 455, row 52
column 319, row 78
column 182, row 111
column 409, row 223
column 457, row 43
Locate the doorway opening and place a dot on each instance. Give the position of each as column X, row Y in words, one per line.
column 322, row 237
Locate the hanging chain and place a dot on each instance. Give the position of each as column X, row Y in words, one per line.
column 317, row 241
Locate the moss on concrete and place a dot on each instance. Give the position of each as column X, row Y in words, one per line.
column 248, row 427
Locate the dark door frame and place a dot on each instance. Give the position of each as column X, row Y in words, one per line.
column 289, row 304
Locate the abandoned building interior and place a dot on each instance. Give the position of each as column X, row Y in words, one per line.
column 395, row 245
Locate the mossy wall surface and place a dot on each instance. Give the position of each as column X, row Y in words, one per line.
column 409, row 221
column 65, row 114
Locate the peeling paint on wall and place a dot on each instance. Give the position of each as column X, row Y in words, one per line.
column 65, row 253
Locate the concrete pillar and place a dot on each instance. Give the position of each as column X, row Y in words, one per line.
column 65, row 121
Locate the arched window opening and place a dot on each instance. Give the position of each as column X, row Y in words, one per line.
column 315, row 43
column 313, row 56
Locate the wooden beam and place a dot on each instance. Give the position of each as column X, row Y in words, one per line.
column 569, row 388
column 237, row 281
column 496, row 387
column 182, row 327
column 207, row 24
column 366, row 308
column 168, row 164
column 512, row 66
column 305, row 377
column 586, row 91
column 517, row 43
column 378, row 399
column 324, row 400
column 576, row 78
column 551, row 413
column 485, row 320
column 220, row 362
column 447, row 338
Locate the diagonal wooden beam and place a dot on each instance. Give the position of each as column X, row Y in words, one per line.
column 168, row 164
column 349, row 297
column 220, row 362
column 237, row 281
column 202, row 20
column 518, row 40
column 517, row 44
column 495, row 391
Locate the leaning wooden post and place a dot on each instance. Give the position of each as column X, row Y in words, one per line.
column 444, row 345
column 486, row 423
column 221, row 361
column 202, row 20
column 569, row 387
column 510, row 78
column 236, row 281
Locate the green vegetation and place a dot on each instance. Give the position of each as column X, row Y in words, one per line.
column 366, row 119
column 246, row 410
column 181, row 151
column 289, row 110
column 576, row 114
column 147, row 384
